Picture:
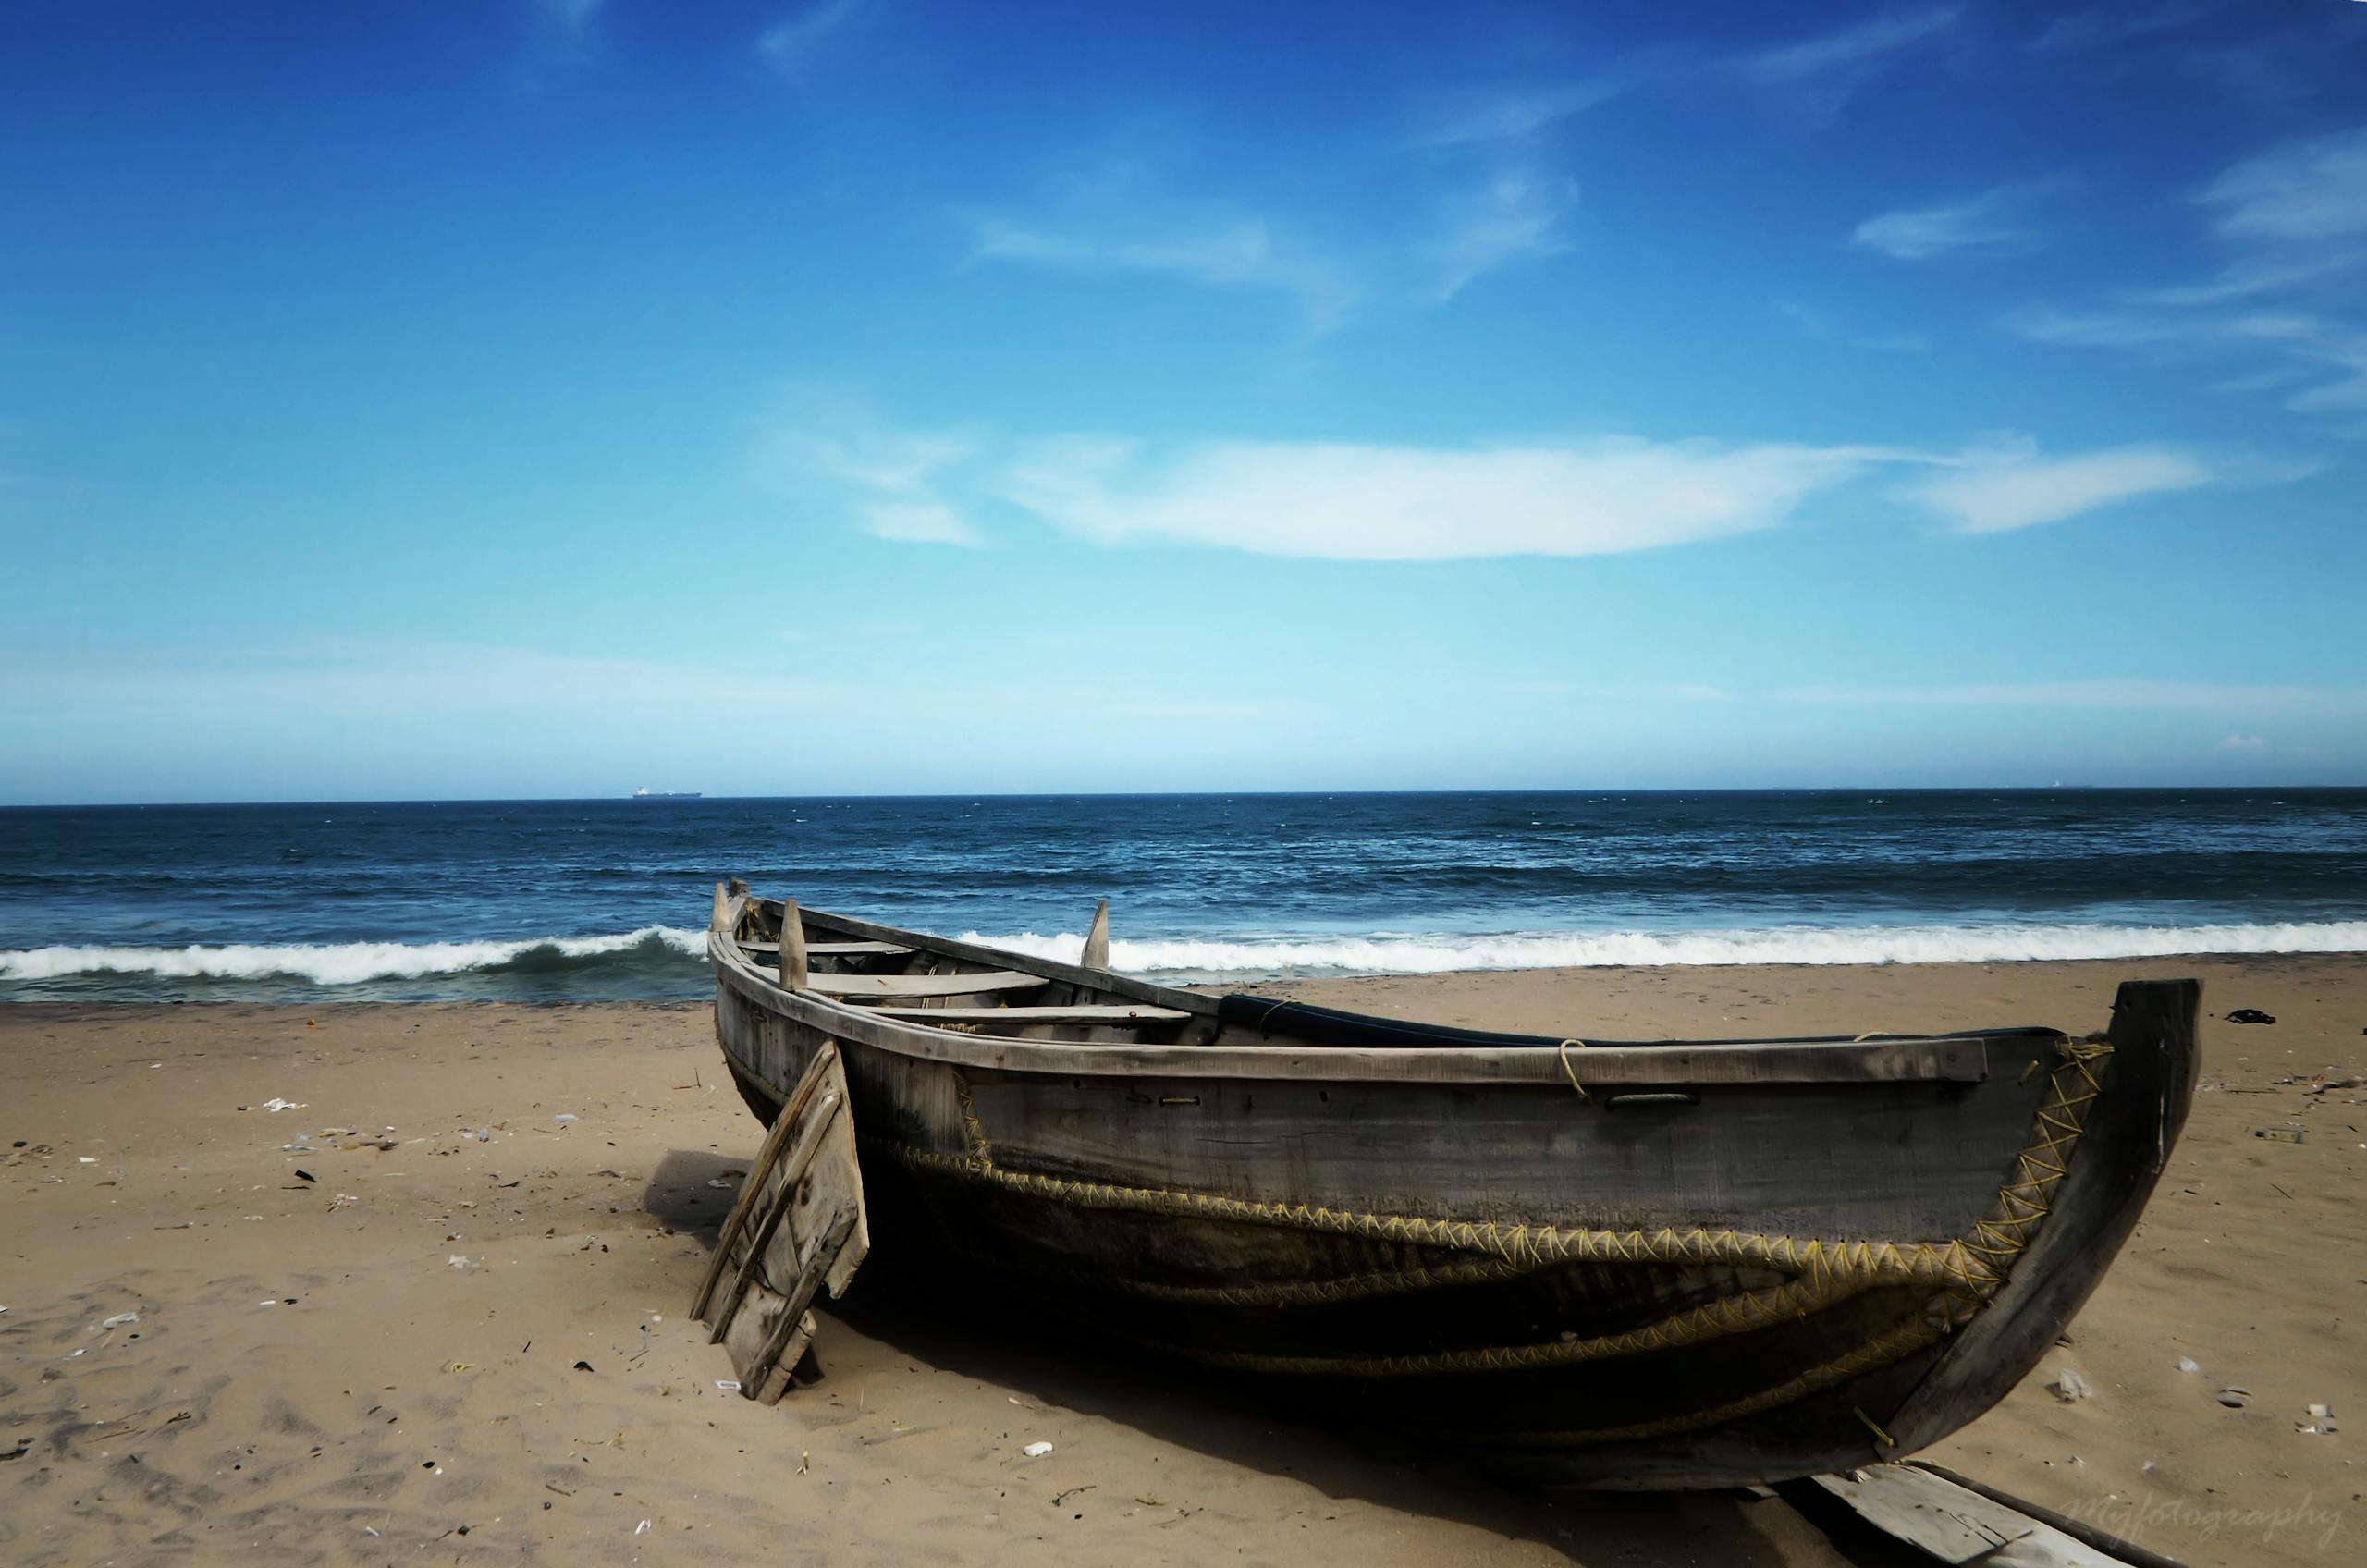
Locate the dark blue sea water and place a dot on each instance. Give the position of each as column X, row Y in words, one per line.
column 583, row 900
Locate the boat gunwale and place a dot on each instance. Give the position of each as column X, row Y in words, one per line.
column 1960, row 1058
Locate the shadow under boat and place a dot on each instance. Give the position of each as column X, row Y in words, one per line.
column 898, row 1302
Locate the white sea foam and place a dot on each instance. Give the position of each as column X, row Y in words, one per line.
column 327, row 964
column 1414, row 954
column 349, row 963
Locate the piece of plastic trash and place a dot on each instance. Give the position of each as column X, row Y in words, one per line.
column 119, row 1320
column 642, row 1528
column 719, row 1181
column 728, row 1385
column 564, row 1116
column 1036, row 1450
column 2188, row 1364
column 2069, row 1386
column 87, row 1160
column 465, row 1265
column 485, row 1134
column 275, row 1103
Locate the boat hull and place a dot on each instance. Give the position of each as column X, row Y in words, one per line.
column 1683, row 1284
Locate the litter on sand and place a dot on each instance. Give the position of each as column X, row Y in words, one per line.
column 1036, row 1450
column 275, row 1103
column 2069, row 1386
column 728, row 1385
column 465, row 1265
column 2188, row 1364
column 564, row 1116
column 119, row 1320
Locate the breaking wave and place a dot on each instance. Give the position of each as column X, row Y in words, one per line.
column 354, row 963
column 1413, row 954
column 669, row 961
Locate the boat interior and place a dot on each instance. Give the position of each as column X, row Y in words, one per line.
column 941, row 983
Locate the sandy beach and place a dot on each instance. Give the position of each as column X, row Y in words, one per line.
column 448, row 1326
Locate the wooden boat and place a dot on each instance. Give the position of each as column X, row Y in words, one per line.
column 1590, row 1261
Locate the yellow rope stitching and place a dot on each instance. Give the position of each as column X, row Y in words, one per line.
column 2023, row 1203
column 1728, row 1315
column 1298, row 1292
column 1971, row 1269
column 2060, row 1118
column 1875, row 1353
column 1538, row 1245
column 972, row 1128
column 1874, row 1426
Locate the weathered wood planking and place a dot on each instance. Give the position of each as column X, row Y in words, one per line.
column 909, row 987
column 1958, row 1525
column 1954, row 1057
column 1018, row 1016
column 1673, row 1264
column 799, row 1225
column 1739, row 1158
column 2124, row 1149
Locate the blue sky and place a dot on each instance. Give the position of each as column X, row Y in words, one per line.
column 553, row 398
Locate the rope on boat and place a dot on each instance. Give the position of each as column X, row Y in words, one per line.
column 1893, row 1345
column 1967, row 1270
column 1878, row 1262
column 1567, row 1070
column 1716, row 1320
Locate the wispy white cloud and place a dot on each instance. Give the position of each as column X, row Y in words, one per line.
column 919, row 523
column 2248, row 277
column 1347, row 502
column 1515, row 112
column 1994, row 221
column 1510, row 114
column 1850, row 49
column 2100, row 328
column 2307, row 348
column 2313, row 188
column 573, row 15
column 895, row 480
column 2095, row 27
column 1577, row 496
column 2241, row 743
column 2015, row 487
column 2111, row 694
column 1515, row 217
column 1238, row 254
column 790, row 43
column 1816, row 324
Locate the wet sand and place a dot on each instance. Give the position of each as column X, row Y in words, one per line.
column 380, row 1363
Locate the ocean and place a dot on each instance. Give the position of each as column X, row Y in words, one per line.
column 560, row 900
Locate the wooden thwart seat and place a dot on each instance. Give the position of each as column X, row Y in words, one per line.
column 1083, row 1013
column 917, row 988
column 830, row 949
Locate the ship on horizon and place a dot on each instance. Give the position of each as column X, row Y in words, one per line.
column 646, row 793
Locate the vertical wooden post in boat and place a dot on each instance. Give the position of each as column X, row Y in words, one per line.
column 792, row 948
column 1096, row 938
column 722, row 907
